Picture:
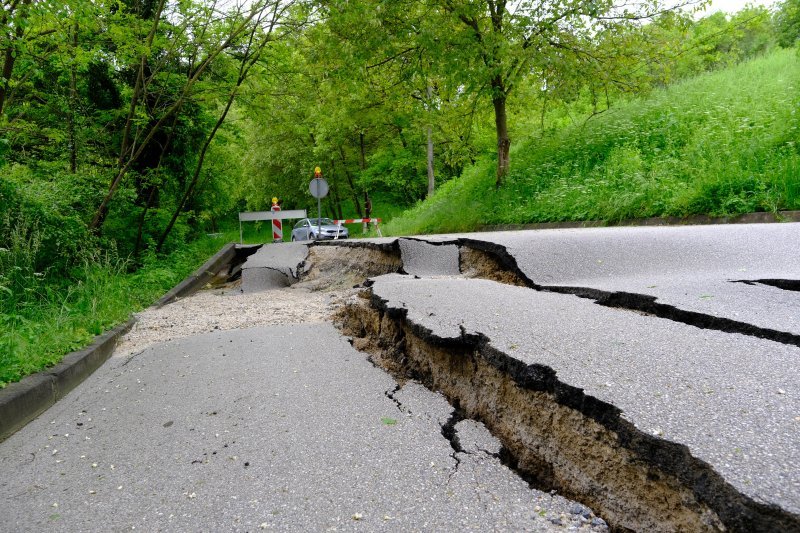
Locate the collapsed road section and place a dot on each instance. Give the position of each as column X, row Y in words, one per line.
column 659, row 424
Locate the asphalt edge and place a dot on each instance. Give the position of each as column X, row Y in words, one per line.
column 23, row 401
column 199, row 277
column 696, row 220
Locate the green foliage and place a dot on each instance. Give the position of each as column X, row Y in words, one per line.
column 787, row 23
column 45, row 213
column 38, row 331
column 110, row 106
column 458, row 205
column 720, row 144
column 399, row 172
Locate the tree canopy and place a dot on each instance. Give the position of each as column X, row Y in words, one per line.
column 129, row 125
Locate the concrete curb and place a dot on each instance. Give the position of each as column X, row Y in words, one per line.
column 23, row 401
column 697, row 220
column 199, row 277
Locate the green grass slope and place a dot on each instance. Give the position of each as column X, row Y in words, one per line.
column 722, row 143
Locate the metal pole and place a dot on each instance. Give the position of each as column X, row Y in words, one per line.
column 319, row 216
column 241, row 237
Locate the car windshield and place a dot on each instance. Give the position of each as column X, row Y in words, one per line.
column 322, row 222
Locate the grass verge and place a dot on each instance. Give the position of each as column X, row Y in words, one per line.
column 57, row 317
column 720, row 144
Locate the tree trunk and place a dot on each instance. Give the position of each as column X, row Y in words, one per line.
column 501, row 127
column 347, row 175
column 153, row 190
column 363, row 160
column 102, row 210
column 140, row 232
column 198, row 167
column 122, row 164
column 337, row 206
column 249, row 59
column 73, row 103
column 11, row 55
column 431, row 177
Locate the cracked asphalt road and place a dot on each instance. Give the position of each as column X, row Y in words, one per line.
column 288, row 427
column 284, row 427
column 709, row 390
column 690, row 267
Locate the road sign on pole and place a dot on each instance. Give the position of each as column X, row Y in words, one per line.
column 319, row 190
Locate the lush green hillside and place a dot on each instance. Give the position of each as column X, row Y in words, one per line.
column 722, row 143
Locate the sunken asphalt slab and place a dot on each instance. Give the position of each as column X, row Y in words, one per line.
column 733, row 400
column 273, row 266
column 284, row 427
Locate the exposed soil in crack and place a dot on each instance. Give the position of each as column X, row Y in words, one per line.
column 552, row 434
column 560, row 438
column 475, row 263
column 327, row 267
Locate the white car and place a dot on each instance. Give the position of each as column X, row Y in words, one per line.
column 309, row 229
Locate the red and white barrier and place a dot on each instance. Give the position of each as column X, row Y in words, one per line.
column 277, row 226
column 375, row 221
column 363, row 221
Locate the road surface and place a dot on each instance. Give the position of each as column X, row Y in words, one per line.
column 650, row 373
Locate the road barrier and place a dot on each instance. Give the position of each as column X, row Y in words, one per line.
column 364, row 221
column 277, row 227
column 268, row 215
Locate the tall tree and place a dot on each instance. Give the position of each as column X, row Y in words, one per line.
column 787, row 22
column 496, row 43
column 249, row 54
column 13, row 21
column 207, row 51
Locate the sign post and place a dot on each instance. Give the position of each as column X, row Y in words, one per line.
column 319, row 190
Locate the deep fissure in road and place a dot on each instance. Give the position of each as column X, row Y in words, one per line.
column 783, row 284
column 554, row 435
column 559, row 437
column 491, row 261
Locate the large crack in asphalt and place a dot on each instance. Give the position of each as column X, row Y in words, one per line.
column 783, row 284
column 449, row 432
column 649, row 306
column 493, row 261
column 553, row 434
column 561, row 438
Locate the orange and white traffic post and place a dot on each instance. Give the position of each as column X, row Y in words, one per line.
column 277, row 226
